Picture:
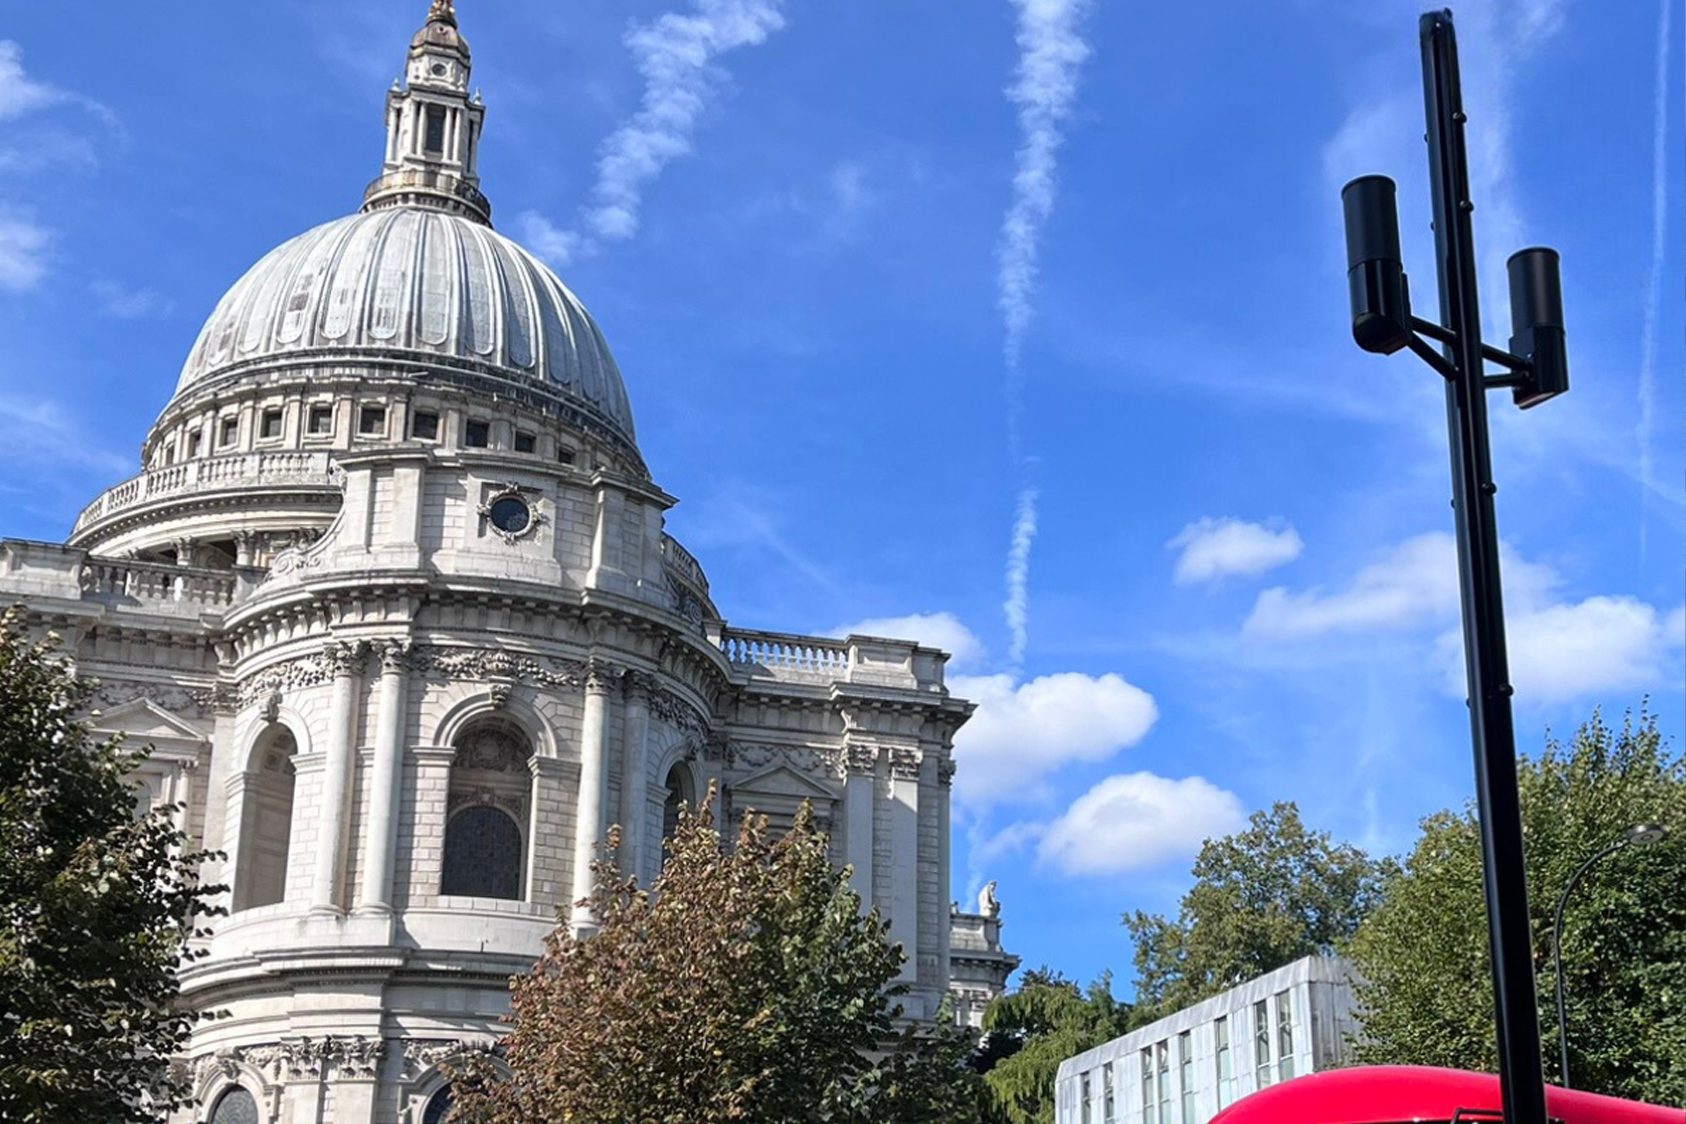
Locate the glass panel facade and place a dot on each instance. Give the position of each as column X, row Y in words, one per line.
column 1261, row 1044
column 1185, row 1074
column 1150, row 1103
column 1162, row 1054
column 1109, row 1100
column 1225, row 1064
column 1284, row 1035
column 1088, row 1114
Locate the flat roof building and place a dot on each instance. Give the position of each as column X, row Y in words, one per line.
column 1186, row 1067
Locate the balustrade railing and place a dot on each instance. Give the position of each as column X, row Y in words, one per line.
column 158, row 582
column 200, row 475
column 683, row 562
column 778, row 651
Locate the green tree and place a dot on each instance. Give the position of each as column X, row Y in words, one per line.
column 1030, row 1031
column 1261, row 898
column 96, row 908
column 1428, row 996
column 745, row 985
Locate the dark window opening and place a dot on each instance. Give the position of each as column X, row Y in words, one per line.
column 565, row 455
column 271, row 424
column 230, row 431
column 438, row 1107
column 435, row 129
column 321, row 419
column 525, row 443
column 193, row 444
column 236, row 1107
column 482, row 855
column 425, row 426
column 478, row 434
column 372, row 421
column 169, row 454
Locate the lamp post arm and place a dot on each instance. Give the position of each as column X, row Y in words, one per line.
column 1557, row 952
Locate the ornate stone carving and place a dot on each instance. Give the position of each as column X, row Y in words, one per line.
column 480, row 664
column 988, row 904
column 804, row 759
column 500, row 692
column 860, row 758
column 395, row 655
column 678, row 713
column 422, row 1054
column 305, row 671
column 270, row 709
column 489, row 748
column 110, row 694
column 601, row 675
column 357, row 1057
column 344, row 658
column 462, row 797
column 945, row 771
column 511, row 491
column 904, row 763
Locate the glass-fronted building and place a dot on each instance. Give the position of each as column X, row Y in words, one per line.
column 1186, row 1067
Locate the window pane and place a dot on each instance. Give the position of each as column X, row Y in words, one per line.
column 1284, row 1035
column 321, row 419
column 478, row 435
column 426, row 426
column 1185, row 1074
column 372, row 421
column 1261, row 1042
column 525, row 443
column 1109, row 1100
column 1150, row 1106
column 435, row 128
column 1087, row 1117
column 235, row 1107
column 482, row 855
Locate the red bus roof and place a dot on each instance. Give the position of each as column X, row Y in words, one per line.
column 1395, row 1094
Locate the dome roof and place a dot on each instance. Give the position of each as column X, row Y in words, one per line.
column 418, row 286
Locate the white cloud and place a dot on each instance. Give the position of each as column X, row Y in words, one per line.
column 130, row 304
column 1016, row 608
column 1051, row 51
column 1137, row 821
column 1416, row 580
column 1217, row 548
column 675, row 52
column 23, row 252
column 1659, row 245
column 1567, row 651
column 1023, row 732
column 19, row 93
column 547, row 240
column 936, row 630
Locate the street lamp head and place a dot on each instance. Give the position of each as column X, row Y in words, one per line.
column 1644, row 834
column 1536, row 325
column 1381, row 304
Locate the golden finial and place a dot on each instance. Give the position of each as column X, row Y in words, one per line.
column 444, row 11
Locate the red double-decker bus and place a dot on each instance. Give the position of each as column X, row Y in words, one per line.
column 1397, row 1094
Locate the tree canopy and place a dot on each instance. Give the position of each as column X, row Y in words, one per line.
column 1030, row 1031
column 745, row 985
column 1424, row 954
column 1261, row 898
column 96, row 907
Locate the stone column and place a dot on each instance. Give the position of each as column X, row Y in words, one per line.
column 945, row 874
column 859, row 799
column 344, row 659
column 380, row 841
column 588, row 826
column 634, row 769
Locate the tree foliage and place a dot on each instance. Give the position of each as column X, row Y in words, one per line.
column 1047, row 1020
column 1424, row 953
column 1261, row 898
column 745, row 985
column 96, row 907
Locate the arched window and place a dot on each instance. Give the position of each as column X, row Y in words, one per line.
column 235, row 1107
column 680, row 793
column 487, row 812
column 266, row 821
column 436, row 1108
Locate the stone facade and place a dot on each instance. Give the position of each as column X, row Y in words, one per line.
column 393, row 602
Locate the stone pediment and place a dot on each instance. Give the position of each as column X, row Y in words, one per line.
column 142, row 721
column 785, row 784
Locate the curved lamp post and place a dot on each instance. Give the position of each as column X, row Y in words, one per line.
column 1640, row 835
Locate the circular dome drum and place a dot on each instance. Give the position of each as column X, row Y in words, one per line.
column 418, row 286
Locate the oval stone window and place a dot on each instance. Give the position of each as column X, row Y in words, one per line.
column 510, row 514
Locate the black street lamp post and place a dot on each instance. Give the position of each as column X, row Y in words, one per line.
column 1640, row 835
column 1535, row 369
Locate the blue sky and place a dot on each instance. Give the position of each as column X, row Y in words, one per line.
column 1025, row 320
